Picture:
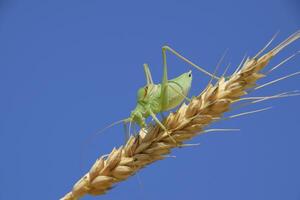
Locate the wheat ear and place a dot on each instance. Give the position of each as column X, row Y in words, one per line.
column 152, row 144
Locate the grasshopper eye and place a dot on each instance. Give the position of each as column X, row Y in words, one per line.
column 141, row 93
column 145, row 91
column 190, row 74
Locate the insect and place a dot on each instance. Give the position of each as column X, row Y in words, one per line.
column 157, row 98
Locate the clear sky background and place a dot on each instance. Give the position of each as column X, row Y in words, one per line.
column 68, row 68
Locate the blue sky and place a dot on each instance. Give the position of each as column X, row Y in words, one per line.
column 68, row 68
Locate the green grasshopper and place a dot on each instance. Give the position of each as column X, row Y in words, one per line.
column 157, row 98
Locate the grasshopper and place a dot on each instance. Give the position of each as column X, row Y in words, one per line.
column 157, row 98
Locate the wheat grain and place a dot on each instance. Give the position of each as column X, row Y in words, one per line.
column 153, row 143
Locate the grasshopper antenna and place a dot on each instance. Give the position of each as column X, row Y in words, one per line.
column 128, row 132
column 111, row 125
column 125, row 121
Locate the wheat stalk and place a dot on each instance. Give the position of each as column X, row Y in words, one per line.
column 152, row 144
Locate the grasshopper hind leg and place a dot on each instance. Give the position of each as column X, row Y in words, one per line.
column 167, row 48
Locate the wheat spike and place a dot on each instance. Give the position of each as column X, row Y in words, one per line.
column 153, row 144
